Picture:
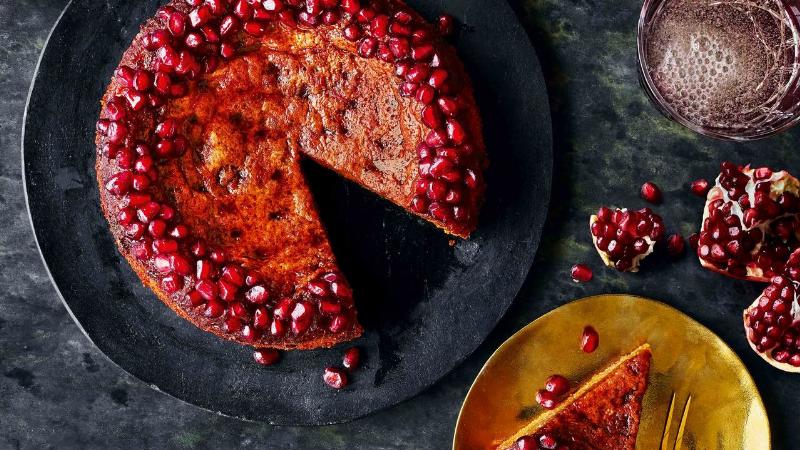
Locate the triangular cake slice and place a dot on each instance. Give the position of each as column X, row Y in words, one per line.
column 603, row 413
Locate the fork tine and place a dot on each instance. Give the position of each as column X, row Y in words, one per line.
column 682, row 426
column 665, row 435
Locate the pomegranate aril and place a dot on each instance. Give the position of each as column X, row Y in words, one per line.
column 261, row 318
column 581, row 273
column 207, row 289
column 547, row 442
column 335, row 377
column 351, row 358
column 278, row 328
column 250, row 334
column 446, row 24
column 272, row 5
column 177, row 23
column 302, row 316
column 546, row 399
column 233, row 274
column 526, row 443
column 556, row 384
column 257, row 295
column 194, row 299
column 651, row 193
column 699, row 187
column 232, row 325
column 351, row 6
column 590, row 339
column 339, row 323
column 352, row 32
column 120, row 183
column 214, row 309
column 172, row 283
column 675, row 245
column 367, row 47
column 266, row 356
column 227, row 291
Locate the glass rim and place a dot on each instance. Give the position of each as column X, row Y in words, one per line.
column 661, row 104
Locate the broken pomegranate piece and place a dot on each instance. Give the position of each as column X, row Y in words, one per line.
column 772, row 322
column 750, row 222
column 624, row 238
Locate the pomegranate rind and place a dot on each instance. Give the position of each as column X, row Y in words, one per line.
column 780, row 182
column 651, row 245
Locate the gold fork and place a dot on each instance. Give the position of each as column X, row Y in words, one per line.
column 681, row 427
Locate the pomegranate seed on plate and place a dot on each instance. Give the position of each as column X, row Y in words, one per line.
column 590, row 339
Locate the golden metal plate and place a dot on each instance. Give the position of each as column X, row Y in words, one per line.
column 688, row 359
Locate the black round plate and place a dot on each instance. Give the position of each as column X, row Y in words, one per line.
column 426, row 304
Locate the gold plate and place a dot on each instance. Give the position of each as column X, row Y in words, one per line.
column 688, row 359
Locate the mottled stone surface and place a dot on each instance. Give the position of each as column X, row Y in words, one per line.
column 57, row 390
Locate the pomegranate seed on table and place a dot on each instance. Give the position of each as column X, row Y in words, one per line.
column 351, row 358
column 335, row 377
column 699, row 187
column 266, row 356
column 651, row 193
column 675, row 245
column 581, row 273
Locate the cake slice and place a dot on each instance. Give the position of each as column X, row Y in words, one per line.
column 603, row 413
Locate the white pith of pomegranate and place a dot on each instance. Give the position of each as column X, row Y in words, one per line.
column 772, row 322
column 623, row 238
column 750, row 222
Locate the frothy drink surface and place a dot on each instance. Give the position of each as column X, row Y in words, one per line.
column 722, row 64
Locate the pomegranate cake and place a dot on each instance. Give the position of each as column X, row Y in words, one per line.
column 201, row 133
column 603, row 413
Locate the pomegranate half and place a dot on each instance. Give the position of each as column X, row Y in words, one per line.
column 772, row 322
column 750, row 222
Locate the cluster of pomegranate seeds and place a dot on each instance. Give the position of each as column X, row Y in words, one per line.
column 337, row 378
column 581, row 273
column 191, row 40
column 590, row 339
column 554, row 389
column 772, row 322
column 651, row 193
column 750, row 222
column 623, row 237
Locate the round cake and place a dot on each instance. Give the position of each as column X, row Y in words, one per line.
column 202, row 130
